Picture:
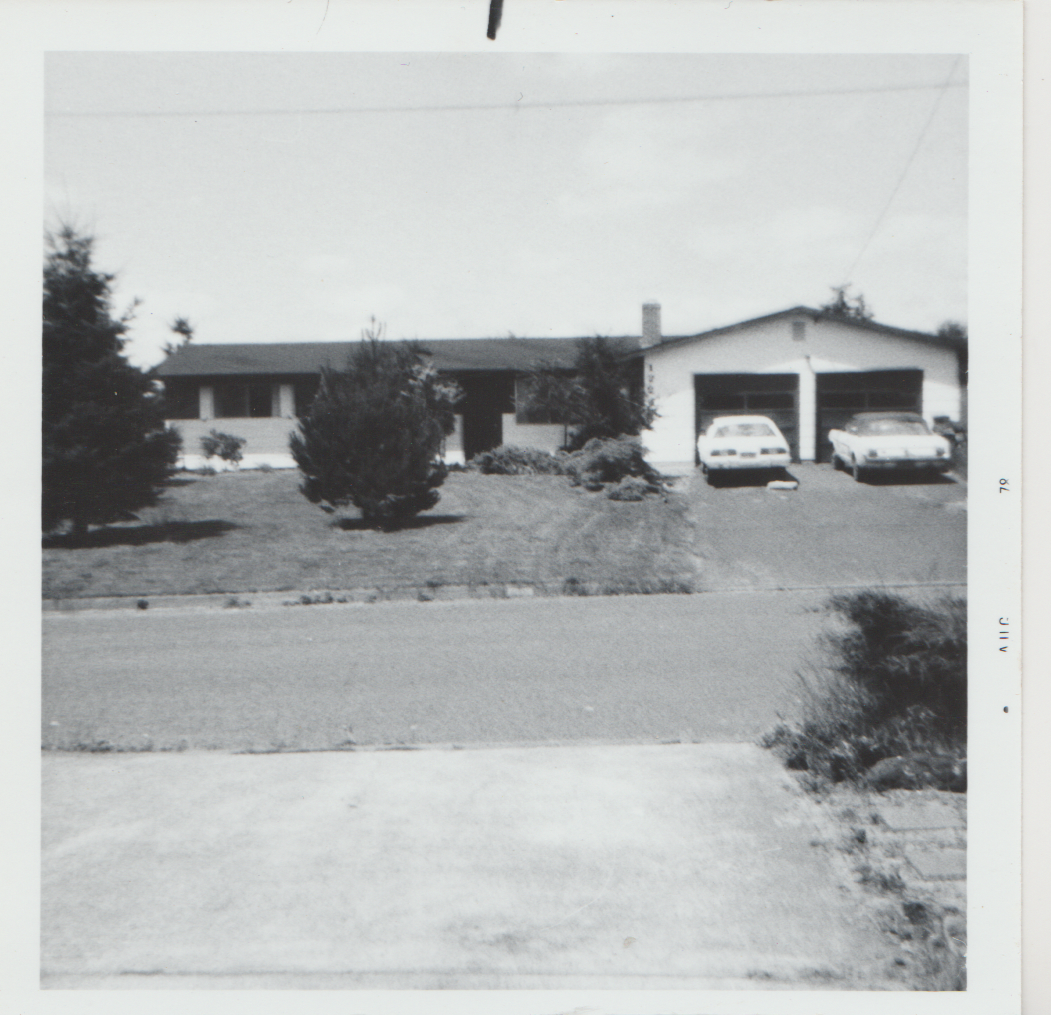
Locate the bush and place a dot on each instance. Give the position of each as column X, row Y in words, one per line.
column 222, row 445
column 892, row 683
column 609, row 460
column 602, row 396
column 509, row 460
column 373, row 434
column 632, row 488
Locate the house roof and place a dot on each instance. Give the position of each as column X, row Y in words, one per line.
column 452, row 355
column 465, row 355
column 814, row 315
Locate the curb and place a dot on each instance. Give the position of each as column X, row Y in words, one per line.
column 428, row 594
column 297, row 597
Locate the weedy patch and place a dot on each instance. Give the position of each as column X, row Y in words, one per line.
column 884, row 698
column 316, row 599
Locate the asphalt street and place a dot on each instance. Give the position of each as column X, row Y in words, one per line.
column 632, row 668
column 716, row 666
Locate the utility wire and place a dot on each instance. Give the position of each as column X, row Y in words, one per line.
column 905, row 172
column 556, row 104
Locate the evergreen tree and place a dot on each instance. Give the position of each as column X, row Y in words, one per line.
column 106, row 451
column 601, row 397
column 850, row 308
column 374, row 432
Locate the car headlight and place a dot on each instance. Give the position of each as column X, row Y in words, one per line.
column 940, row 452
column 723, row 451
column 773, row 451
column 872, row 453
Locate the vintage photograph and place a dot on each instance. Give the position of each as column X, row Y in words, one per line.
column 505, row 521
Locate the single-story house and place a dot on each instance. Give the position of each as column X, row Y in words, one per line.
column 805, row 369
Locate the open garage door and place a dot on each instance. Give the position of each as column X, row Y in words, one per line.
column 841, row 395
column 775, row 396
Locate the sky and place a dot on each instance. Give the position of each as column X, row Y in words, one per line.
column 297, row 197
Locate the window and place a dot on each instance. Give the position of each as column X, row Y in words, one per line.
column 890, row 427
column 745, row 430
column 181, row 400
column 525, row 412
column 241, row 399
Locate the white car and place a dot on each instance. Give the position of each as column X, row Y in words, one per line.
column 888, row 440
column 742, row 443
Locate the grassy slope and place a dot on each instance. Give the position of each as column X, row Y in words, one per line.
column 253, row 531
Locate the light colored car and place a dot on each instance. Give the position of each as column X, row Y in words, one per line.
column 741, row 443
column 888, row 440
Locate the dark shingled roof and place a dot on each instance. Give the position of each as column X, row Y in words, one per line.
column 452, row 355
column 462, row 355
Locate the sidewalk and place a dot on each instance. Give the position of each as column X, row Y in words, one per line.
column 689, row 866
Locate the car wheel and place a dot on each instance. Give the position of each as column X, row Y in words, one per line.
column 835, row 462
column 714, row 479
column 857, row 470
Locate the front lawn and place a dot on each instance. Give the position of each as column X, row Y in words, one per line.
column 254, row 532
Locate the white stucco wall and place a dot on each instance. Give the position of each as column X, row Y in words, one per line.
column 768, row 347
column 266, row 439
column 541, row 436
column 453, row 452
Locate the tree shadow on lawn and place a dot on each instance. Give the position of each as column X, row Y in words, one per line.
column 419, row 522
column 139, row 535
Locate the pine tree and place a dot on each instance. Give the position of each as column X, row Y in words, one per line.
column 374, row 432
column 106, row 451
column 848, row 308
column 599, row 398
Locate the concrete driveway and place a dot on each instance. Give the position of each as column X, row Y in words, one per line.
column 689, row 866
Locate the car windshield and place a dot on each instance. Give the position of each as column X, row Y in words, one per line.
column 744, row 430
column 889, row 427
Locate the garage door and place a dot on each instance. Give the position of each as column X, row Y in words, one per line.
column 841, row 395
column 775, row 396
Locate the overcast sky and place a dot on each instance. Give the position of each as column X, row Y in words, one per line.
column 293, row 197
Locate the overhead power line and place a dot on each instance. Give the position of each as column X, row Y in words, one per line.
column 556, row 104
column 905, row 172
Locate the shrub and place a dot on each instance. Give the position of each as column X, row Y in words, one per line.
column 222, row 445
column 632, row 488
column 609, row 460
column 509, row 460
column 602, row 396
column 373, row 434
column 891, row 683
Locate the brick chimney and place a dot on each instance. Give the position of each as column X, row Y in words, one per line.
column 651, row 324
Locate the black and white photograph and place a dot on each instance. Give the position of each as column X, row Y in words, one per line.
column 509, row 510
